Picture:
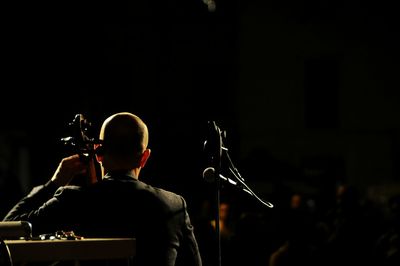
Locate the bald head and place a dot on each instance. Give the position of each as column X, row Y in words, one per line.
column 125, row 137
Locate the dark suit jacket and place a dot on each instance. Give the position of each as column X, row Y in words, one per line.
column 117, row 206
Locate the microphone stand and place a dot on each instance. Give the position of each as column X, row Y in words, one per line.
column 217, row 168
column 217, row 218
column 217, row 159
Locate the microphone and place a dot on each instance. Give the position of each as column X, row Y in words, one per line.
column 213, row 143
column 209, row 176
column 217, row 152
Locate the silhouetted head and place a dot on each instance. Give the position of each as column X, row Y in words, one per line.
column 124, row 139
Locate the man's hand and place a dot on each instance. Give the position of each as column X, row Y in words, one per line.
column 68, row 168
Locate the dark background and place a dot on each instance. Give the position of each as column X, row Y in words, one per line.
column 307, row 91
column 170, row 62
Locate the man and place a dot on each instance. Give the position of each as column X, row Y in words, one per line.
column 119, row 205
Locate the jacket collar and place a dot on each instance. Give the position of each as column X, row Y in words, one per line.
column 120, row 175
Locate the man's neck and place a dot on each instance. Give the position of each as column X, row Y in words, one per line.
column 134, row 173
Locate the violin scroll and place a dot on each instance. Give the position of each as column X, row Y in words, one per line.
column 83, row 144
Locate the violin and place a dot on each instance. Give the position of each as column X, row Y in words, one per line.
column 84, row 145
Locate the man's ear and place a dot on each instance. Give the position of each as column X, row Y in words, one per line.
column 99, row 152
column 145, row 156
